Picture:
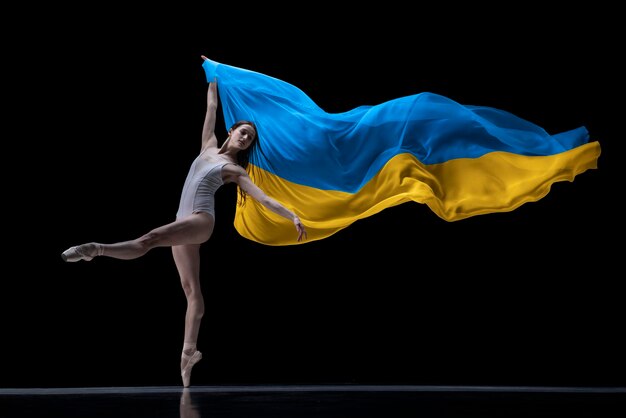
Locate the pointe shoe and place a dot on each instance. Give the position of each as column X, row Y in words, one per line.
column 185, row 372
column 77, row 253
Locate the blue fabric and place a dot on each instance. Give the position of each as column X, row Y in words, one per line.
column 303, row 144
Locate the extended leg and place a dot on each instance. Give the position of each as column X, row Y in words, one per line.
column 194, row 229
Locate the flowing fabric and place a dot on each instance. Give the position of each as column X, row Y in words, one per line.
column 333, row 169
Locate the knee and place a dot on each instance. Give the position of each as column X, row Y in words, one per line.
column 193, row 295
column 196, row 305
column 149, row 240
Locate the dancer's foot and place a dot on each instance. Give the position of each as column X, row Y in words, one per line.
column 188, row 360
column 81, row 252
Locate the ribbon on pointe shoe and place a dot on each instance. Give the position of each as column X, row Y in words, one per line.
column 191, row 361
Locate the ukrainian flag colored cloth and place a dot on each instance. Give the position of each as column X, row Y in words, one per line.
column 333, row 169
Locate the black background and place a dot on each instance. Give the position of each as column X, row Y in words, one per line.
column 114, row 104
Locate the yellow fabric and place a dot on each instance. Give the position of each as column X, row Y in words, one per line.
column 454, row 190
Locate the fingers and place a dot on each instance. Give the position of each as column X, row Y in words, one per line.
column 301, row 233
column 204, row 58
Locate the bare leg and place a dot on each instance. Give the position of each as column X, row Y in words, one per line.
column 187, row 259
column 194, row 229
column 184, row 236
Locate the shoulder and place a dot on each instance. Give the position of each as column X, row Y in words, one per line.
column 234, row 168
column 233, row 172
column 209, row 149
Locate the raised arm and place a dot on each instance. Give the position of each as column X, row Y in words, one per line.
column 208, row 130
column 238, row 175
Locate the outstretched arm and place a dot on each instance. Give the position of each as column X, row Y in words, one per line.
column 208, row 130
column 240, row 176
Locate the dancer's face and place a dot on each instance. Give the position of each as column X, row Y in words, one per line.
column 242, row 136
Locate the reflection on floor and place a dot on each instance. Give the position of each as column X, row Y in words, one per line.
column 328, row 401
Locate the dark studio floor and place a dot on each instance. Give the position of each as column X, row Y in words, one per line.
column 389, row 401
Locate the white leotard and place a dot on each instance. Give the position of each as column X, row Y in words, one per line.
column 203, row 180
